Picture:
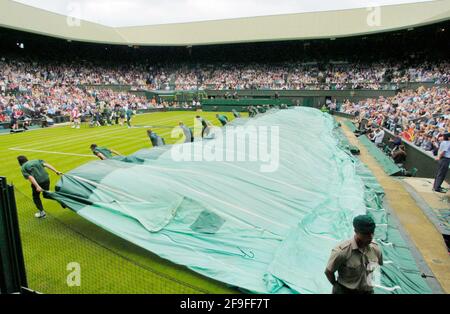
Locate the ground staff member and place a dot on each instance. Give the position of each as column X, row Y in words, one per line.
column 129, row 114
column 188, row 134
column 34, row 171
column 204, row 124
column 355, row 259
column 155, row 138
column 223, row 119
column 122, row 112
column 444, row 161
column 103, row 152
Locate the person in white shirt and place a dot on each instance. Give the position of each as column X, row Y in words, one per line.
column 75, row 115
column 378, row 137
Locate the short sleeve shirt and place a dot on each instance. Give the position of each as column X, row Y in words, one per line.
column 35, row 168
column 445, row 147
column 379, row 137
column 353, row 264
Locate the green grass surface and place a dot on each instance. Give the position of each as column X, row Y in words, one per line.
column 108, row 263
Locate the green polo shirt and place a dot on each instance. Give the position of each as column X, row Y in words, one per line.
column 222, row 118
column 105, row 151
column 36, row 169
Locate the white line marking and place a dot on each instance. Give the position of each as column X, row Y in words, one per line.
column 98, row 134
column 49, row 152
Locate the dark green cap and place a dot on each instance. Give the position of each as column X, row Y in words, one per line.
column 364, row 224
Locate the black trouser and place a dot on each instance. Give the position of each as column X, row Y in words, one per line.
column 36, row 195
column 117, row 119
column 441, row 173
column 340, row 289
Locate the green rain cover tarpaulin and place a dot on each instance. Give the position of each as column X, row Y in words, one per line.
column 268, row 231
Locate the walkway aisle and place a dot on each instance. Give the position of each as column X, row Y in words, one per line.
column 420, row 230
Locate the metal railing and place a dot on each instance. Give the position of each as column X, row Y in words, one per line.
column 12, row 267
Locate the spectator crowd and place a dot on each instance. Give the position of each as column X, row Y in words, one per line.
column 55, row 88
column 420, row 117
column 22, row 75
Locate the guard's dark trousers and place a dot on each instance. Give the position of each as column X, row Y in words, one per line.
column 441, row 173
column 340, row 289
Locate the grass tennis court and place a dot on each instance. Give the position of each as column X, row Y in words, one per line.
column 108, row 263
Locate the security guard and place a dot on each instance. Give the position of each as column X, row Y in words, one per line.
column 355, row 259
column 444, row 161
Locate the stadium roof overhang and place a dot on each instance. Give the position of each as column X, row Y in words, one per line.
column 311, row 25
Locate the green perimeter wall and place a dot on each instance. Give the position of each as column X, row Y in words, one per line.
column 424, row 162
column 308, row 98
column 221, row 104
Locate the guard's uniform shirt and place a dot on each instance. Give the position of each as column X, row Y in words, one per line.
column 445, row 147
column 354, row 264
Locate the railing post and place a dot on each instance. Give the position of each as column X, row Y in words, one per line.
column 12, row 267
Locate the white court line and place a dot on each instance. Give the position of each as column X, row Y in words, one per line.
column 49, row 152
column 102, row 134
column 76, row 137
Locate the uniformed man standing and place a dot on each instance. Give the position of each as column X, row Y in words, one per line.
column 355, row 260
column 444, row 161
column 34, row 171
